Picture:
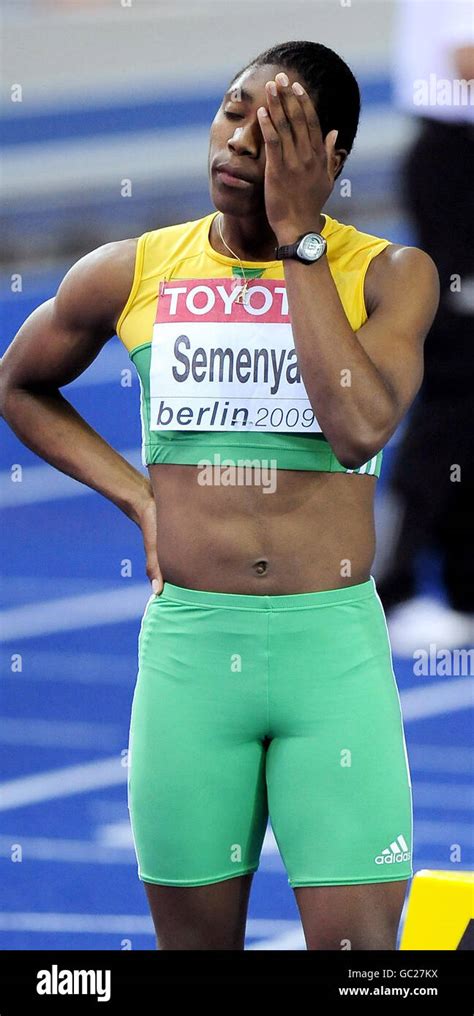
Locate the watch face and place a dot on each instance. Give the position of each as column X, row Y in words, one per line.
column 312, row 246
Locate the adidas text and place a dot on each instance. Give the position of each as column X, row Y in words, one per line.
column 396, row 853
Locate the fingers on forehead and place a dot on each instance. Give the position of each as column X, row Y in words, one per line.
column 310, row 110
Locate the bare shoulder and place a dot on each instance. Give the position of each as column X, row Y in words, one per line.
column 97, row 286
column 63, row 335
column 401, row 272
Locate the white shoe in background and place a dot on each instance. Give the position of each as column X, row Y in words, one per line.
column 424, row 620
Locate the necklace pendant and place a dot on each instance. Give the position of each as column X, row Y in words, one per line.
column 243, row 296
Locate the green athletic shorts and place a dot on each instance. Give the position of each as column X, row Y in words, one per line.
column 253, row 706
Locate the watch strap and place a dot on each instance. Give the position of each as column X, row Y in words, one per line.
column 288, row 250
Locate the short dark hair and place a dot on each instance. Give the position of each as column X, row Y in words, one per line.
column 330, row 83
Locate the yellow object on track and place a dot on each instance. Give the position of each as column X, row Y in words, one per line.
column 440, row 911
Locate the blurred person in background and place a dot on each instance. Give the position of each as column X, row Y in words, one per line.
column 432, row 478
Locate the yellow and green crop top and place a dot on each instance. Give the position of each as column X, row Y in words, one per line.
column 219, row 375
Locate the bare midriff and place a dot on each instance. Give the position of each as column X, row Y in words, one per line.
column 315, row 531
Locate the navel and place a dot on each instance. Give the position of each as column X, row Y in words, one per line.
column 261, row 567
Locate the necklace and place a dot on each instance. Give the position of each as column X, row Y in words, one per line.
column 243, row 295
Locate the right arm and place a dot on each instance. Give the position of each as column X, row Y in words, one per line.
column 56, row 343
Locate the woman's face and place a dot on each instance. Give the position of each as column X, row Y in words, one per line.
column 237, row 141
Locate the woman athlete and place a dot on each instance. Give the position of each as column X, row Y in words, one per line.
column 265, row 684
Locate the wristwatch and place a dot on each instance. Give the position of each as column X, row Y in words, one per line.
column 308, row 248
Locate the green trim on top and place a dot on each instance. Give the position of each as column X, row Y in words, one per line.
column 247, row 273
column 284, row 450
column 137, row 348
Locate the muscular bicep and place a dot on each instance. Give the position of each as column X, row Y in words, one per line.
column 63, row 336
column 404, row 293
column 49, row 351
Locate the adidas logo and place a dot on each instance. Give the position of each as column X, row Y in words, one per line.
column 397, row 851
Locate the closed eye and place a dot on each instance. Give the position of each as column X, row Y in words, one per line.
column 233, row 116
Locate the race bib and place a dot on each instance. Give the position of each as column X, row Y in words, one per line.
column 221, row 365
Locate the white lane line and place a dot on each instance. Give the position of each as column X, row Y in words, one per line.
column 161, row 157
column 443, row 796
column 437, row 699
column 269, row 845
column 45, row 483
column 78, row 668
column 27, row 588
column 444, row 834
column 44, row 848
column 113, row 843
column 113, row 849
column 62, row 782
column 437, row 758
column 117, row 835
column 293, row 938
column 120, row 924
column 59, row 733
column 71, row 613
